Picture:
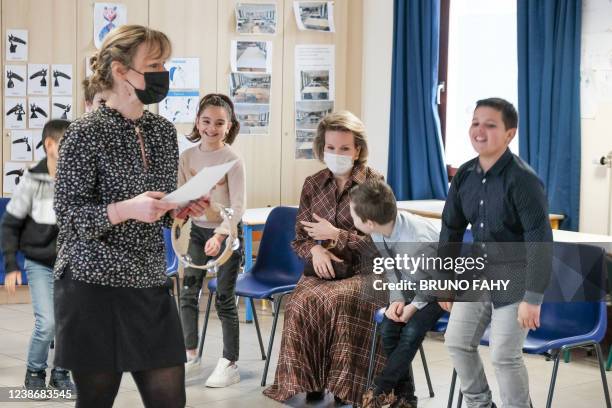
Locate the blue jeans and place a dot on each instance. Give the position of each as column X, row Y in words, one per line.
column 40, row 281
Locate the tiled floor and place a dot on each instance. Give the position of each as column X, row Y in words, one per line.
column 578, row 385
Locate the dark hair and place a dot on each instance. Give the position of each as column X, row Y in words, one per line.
column 224, row 102
column 54, row 129
column 374, row 200
column 508, row 111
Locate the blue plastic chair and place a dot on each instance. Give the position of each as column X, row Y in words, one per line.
column 172, row 264
column 571, row 324
column 274, row 274
column 20, row 258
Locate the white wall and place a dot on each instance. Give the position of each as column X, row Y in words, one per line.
column 595, row 215
column 376, row 78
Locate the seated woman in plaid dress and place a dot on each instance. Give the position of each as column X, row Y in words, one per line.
column 329, row 321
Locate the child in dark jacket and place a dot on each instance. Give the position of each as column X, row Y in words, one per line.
column 29, row 226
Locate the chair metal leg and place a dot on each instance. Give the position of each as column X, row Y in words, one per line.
column 551, row 388
column 604, row 380
column 372, row 352
column 427, row 377
column 277, row 304
column 451, row 394
column 261, row 346
column 205, row 326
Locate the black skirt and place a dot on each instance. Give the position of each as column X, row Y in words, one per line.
column 101, row 328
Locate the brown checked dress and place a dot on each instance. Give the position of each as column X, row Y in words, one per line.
column 329, row 323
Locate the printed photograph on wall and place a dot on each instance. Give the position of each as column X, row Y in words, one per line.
column 16, row 45
column 251, row 56
column 15, row 83
column 255, row 18
column 38, row 79
column 314, row 15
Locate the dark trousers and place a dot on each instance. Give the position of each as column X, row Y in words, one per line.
column 225, row 300
column 401, row 342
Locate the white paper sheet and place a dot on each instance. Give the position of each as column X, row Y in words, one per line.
column 200, row 184
column 38, row 79
column 61, row 81
column 15, row 113
column 314, row 15
column 184, row 73
column 251, row 56
column 106, row 17
column 61, row 107
column 180, row 106
column 15, row 80
column 16, row 45
column 13, row 174
column 314, row 72
column 254, row 18
column 21, row 145
column 38, row 111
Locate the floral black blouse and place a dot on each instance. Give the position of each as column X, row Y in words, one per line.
column 100, row 162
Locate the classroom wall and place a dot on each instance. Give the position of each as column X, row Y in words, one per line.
column 596, row 182
column 61, row 31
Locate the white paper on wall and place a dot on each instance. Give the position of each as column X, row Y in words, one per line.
column 106, row 17
column 38, row 79
column 61, row 79
column 13, row 174
column 15, row 83
column 16, row 45
column 15, row 113
column 314, row 72
column 180, row 106
column 184, row 73
column 61, row 107
column 22, row 148
column 38, row 111
column 314, row 15
column 251, row 56
column 255, row 18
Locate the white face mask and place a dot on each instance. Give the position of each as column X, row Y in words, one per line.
column 338, row 164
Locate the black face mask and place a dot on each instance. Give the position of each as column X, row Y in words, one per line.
column 156, row 87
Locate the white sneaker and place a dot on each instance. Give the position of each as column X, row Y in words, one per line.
column 224, row 374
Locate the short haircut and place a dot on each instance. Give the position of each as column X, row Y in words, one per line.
column 343, row 121
column 508, row 111
column 54, row 129
column 374, row 200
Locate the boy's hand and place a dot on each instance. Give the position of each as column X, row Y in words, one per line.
column 12, row 279
column 528, row 316
column 195, row 208
column 409, row 311
column 321, row 230
column 447, row 306
column 394, row 311
column 213, row 245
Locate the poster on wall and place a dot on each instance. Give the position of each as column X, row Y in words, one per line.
column 38, row 111
column 255, row 18
column 251, row 56
column 184, row 73
column 62, row 79
column 15, row 83
column 39, row 150
column 314, row 15
column 303, row 143
column 250, row 88
column 21, row 145
column 180, row 106
column 106, row 17
column 61, row 107
column 16, row 45
column 38, row 79
column 13, row 174
column 14, row 113
column 314, row 72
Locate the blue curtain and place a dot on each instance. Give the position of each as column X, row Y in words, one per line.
column 549, row 99
column 416, row 165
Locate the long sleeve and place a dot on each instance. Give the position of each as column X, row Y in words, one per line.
column 532, row 208
column 302, row 244
column 13, row 222
column 237, row 196
column 454, row 221
column 78, row 205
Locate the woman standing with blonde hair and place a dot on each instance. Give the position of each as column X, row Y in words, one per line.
column 328, row 321
column 113, row 311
